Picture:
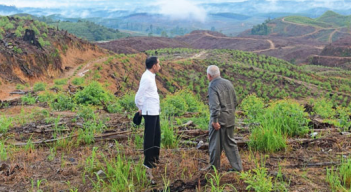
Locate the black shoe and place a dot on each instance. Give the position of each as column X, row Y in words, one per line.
column 149, row 165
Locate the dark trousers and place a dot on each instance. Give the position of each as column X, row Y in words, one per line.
column 152, row 140
column 224, row 139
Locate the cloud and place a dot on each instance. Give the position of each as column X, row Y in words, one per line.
column 182, row 9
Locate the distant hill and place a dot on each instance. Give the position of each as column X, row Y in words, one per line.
column 327, row 28
column 335, row 19
column 231, row 16
column 8, row 9
column 86, row 29
column 293, row 50
column 140, row 44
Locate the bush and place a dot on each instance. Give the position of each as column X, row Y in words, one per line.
column 46, row 97
column 128, row 102
column 28, row 99
column 19, row 86
column 63, row 102
column 115, row 107
column 193, row 102
column 323, row 107
column 78, row 81
column 253, row 107
column 288, row 116
column 344, row 118
column 267, row 139
column 5, row 123
column 39, row 87
column 60, row 82
column 259, row 180
column 174, row 105
column 93, row 94
column 86, row 112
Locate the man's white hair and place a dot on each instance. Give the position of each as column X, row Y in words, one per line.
column 213, row 70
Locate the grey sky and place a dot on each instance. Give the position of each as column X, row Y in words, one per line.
column 179, row 9
column 123, row 3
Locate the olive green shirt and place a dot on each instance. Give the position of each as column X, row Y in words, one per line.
column 222, row 101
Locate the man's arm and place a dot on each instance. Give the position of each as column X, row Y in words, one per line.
column 214, row 103
column 144, row 84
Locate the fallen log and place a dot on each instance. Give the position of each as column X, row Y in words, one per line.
column 107, row 137
column 326, row 130
column 193, row 132
column 321, row 164
column 317, row 123
column 243, row 143
column 49, row 130
column 187, row 124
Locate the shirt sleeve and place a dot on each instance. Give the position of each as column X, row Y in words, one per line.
column 139, row 97
column 215, row 107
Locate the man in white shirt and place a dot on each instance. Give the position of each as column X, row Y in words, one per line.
column 148, row 102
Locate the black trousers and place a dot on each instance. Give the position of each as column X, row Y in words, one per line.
column 152, row 140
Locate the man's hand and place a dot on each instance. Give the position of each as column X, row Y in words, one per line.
column 140, row 113
column 216, row 126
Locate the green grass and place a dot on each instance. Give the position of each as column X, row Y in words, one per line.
column 307, row 21
column 340, row 178
column 5, row 123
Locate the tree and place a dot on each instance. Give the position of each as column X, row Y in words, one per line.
column 164, row 34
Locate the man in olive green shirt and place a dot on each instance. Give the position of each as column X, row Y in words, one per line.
column 222, row 101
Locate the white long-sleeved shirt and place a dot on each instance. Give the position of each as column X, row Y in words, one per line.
column 147, row 99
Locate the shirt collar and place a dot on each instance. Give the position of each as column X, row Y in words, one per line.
column 150, row 73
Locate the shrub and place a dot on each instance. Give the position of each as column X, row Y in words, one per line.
column 323, row 107
column 169, row 138
column 259, row 180
column 253, row 107
column 86, row 112
column 93, row 94
column 60, row 82
column 39, row 87
column 174, row 105
column 267, row 139
column 63, row 102
column 5, row 123
column 78, row 81
column 194, row 104
column 287, row 116
column 344, row 118
column 339, row 179
column 28, row 99
column 46, row 97
column 128, row 102
column 115, row 107
column 19, row 86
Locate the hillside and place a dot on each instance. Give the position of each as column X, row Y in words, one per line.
column 336, row 54
column 327, row 28
column 292, row 50
column 82, row 28
column 32, row 51
column 335, row 19
column 81, row 126
column 140, row 44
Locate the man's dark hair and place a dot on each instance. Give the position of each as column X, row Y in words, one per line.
column 151, row 61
